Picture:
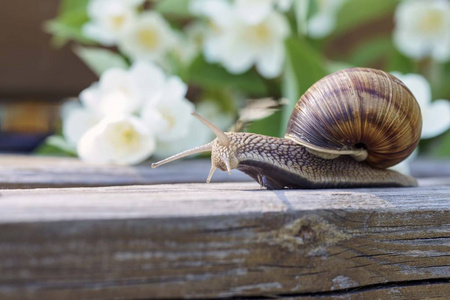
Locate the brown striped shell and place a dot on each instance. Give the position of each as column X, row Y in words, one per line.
column 362, row 112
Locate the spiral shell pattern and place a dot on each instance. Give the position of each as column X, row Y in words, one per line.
column 362, row 112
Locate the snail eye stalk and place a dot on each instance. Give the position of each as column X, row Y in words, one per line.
column 221, row 136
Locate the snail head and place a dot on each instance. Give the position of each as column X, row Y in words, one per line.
column 223, row 152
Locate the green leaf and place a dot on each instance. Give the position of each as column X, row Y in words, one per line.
column 372, row 51
column 63, row 32
column 224, row 98
column 100, row 60
column 443, row 88
column 438, row 147
column 357, row 12
column 216, row 77
column 55, row 145
column 304, row 66
column 334, row 66
column 68, row 24
column 71, row 5
column 400, row 63
column 178, row 8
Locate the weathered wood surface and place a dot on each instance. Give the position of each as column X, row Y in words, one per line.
column 224, row 240
column 20, row 171
column 39, row 171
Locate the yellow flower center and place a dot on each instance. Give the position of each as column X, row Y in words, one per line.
column 432, row 22
column 148, row 38
column 130, row 136
column 169, row 118
column 260, row 33
column 117, row 21
column 124, row 135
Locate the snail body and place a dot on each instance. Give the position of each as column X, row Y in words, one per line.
column 344, row 132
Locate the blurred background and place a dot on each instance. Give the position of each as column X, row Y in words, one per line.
column 69, row 66
column 35, row 77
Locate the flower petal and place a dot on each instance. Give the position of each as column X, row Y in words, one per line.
column 118, row 94
column 94, row 30
column 436, row 119
column 270, row 64
column 253, row 11
column 218, row 11
column 284, row 5
column 90, row 97
column 76, row 121
column 320, row 25
column 169, row 119
column 236, row 56
column 146, row 79
column 441, row 52
column 323, row 22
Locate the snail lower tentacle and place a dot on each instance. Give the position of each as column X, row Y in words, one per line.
column 278, row 163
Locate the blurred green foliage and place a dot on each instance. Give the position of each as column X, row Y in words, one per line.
column 67, row 25
column 307, row 60
column 214, row 76
column 100, row 60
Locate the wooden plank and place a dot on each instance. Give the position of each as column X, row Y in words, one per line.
column 20, row 171
column 224, row 240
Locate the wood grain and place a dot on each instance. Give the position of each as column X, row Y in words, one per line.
column 224, row 240
column 19, row 171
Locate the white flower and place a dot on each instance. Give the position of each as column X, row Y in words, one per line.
column 422, row 29
column 198, row 133
column 123, row 91
column 323, row 22
column 255, row 11
column 109, row 18
column 147, row 38
column 167, row 112
column 119, row 140
column 435, row 114
column 76, row 121
column 238, row 45
column 120, row 118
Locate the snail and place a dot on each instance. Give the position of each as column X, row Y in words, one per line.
column 345, row 131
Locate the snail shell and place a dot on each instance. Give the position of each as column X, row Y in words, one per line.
column 362, row 112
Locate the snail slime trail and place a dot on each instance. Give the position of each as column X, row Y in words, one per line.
column 345, row 131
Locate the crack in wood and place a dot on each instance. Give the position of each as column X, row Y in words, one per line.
column 307, row 234
column 372, row 287
column 336, row 293
column 228, row 230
